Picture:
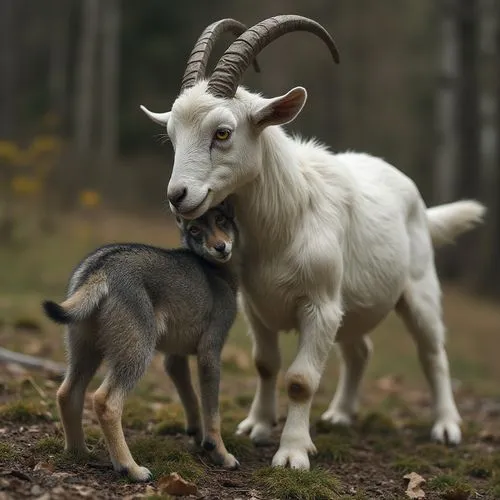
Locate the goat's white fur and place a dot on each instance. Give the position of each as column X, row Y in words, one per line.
column 330, row 243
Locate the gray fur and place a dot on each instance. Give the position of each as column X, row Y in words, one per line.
column 126, row 300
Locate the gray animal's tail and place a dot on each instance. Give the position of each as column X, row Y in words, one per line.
column 447, row 222
column 81, row 303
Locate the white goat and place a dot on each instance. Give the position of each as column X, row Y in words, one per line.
column 331, row 243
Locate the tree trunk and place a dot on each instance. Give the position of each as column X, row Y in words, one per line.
column 8, row 69
column 469, row 178
column 110, row 81
column 58, row 62
column 490, row 281
column 85, row 78
column 446, row 105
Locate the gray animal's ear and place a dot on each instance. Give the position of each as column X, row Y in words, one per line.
column 227, row 208
column 280, row 110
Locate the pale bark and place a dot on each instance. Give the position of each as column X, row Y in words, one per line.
column 110, row 59
column 446, row 151
column 8, row 69
column 85, row 76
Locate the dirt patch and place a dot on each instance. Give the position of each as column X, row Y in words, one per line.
column 368, row 461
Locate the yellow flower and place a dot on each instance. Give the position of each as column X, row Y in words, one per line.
column 8, row 151
column 89, row 198
column 25, row 185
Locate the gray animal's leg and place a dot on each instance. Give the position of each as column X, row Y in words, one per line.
column 263, row 412
column 354, row 355
column 126, row 367
column 178, row 369
column 83, row 361
column 420, row 308
column 209, row 375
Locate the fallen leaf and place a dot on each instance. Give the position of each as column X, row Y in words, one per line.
column 174, row 484
column 44, row 466
column 414, row 488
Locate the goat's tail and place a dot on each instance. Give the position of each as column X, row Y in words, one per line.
column 81, row 304
column 447, row 222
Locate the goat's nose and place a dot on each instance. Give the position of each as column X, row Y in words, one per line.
column 220, row 246
column 176, row 195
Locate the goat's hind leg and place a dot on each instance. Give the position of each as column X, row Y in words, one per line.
column 420, row 308
column 263, row 412
column 354, row 355
column 83, row 361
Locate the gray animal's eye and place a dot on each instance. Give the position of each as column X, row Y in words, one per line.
column 194, row 230
column 220, row 219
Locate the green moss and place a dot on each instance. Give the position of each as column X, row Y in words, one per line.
column 480, row 468
column 239, row 446
column 244, row 400
column 419, row 430
column 450, row 487
column 342, row 432
column 439, row 455
column 293, row 484
column 7, row 452
column 50, row 445
column 410, row 463
column 331, row 450
column 163, row 456
column 24, row 412
column 93, row 436
column 136, row 414
column 378, row 423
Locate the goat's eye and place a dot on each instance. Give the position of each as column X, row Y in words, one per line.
column 194, row 230
column 222, row 134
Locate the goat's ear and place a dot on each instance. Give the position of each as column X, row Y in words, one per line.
column 280, row 110
column 161, row 118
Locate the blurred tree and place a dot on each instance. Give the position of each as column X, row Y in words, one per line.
column 446, row 105
column 8, row 68
column 469, row 158
column 84, row 77
column 110, row 57
column 59, row 57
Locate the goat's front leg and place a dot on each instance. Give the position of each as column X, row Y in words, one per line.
column 319, row 323
column 209, row 375
column 263, row 412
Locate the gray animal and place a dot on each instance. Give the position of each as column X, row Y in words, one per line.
column 126, row 300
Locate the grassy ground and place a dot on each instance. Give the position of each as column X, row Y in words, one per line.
column 369, row 461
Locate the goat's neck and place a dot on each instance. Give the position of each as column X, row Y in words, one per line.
column 269, row 208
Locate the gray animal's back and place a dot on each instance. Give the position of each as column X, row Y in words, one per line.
column 176, row 287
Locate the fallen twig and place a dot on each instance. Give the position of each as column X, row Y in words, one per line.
column 28, row 361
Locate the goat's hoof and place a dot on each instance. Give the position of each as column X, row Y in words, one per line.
column 294, row 453
column 260, row 432
column 295, row 458
column 447, row 431
column 337, row 417
column 139, row 474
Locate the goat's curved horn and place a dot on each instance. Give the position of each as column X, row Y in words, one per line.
column 160, row 118
column 198, row 59
column 230, row 68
